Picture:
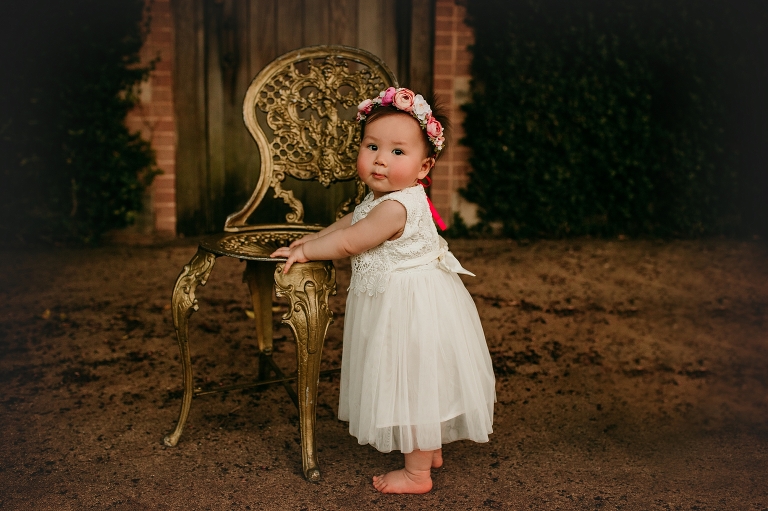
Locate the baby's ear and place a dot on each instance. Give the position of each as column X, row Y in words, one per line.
column 426, row 166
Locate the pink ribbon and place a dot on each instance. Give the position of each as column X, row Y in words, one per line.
column 435, row 215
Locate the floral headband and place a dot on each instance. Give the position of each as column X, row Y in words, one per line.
column 414, row 104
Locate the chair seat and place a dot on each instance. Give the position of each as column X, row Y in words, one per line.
column 256, row 243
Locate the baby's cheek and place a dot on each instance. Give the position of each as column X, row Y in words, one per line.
column 360, row 164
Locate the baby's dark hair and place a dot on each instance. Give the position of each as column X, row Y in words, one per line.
column 437, row 113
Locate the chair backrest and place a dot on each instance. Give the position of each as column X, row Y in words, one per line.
column 301, row 111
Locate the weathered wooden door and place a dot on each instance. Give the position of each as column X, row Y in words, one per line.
column 220, row 47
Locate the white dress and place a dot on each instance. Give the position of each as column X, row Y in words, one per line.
column 415, row 370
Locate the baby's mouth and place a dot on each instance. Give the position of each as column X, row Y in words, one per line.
column 376, row 175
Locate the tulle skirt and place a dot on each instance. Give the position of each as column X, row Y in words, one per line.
column 415, row 371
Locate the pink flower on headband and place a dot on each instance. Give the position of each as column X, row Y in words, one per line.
column 365, row 107
column 434, row 128
column 387, row 96
column 403, row 100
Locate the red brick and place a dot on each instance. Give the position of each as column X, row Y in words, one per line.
column 162, row 79
column 133, row 122
column 161, row 95
column 440, row 172
column 167, row 169
column 162, row 184
column 161, row 37
column 443, row 55
column 163, row 146
column 166, row 89
column 440, row 185
column 165, row 210
column 444, row 25
column 160, row 8
column 461, row 152
column 161, row 20
column 158, row 113
column 463, row 57
column 163, row 191
column 440, row 195
column 165, row 215
column 462, row 68
column 164, row 65
column 443, row 83
column 163, row 139
column 443, row 69
column 165, row 177
column 164, row 124
column 464, row 40
column 166, row 225
column 164, row 196
column 462, row 167
column 444, row 39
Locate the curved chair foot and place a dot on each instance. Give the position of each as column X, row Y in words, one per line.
column 308, row 286
column 183, row 304
column 313, row 475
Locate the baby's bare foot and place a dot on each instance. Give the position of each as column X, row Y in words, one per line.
column 403, row 481
column 437, row 458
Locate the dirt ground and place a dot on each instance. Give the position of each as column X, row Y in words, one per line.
column 630, row 375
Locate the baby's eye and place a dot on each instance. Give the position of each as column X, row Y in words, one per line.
column 397, row 151
column 373, row 147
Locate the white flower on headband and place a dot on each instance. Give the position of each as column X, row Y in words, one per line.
column 405, row 100
column 421, row 107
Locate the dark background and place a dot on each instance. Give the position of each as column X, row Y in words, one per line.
column 71, row 171
column 619, row 117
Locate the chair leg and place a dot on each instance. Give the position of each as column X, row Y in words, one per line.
column 308, row 286
column 260, row 279
column 183, row 304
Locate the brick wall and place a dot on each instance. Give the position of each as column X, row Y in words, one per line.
column 452, row 61
column 154, row 116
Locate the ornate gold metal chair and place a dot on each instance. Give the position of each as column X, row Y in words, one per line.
column 300, row 110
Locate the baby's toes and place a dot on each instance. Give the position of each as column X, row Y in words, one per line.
column 379, row 483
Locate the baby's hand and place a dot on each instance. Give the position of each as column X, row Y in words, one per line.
column 293, row 254
column 303, row 240
column 281, row 252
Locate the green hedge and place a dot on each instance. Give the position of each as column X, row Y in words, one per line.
column 70, row 167
column 600, row 118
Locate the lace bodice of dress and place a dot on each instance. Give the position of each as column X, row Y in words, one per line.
column 371, row 269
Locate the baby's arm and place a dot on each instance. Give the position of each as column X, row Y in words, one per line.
column 341, row 223
column 383, row 222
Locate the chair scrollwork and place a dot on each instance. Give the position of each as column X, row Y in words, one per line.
column 308, row 99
